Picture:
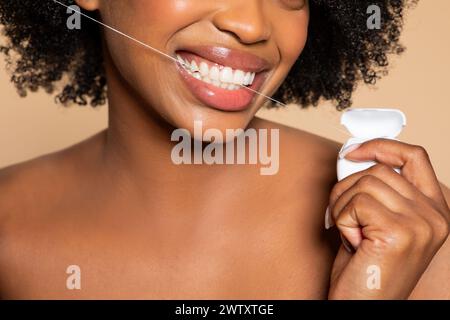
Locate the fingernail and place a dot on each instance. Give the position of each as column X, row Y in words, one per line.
column 348, row 149
column 328, row 219
column 347, row 245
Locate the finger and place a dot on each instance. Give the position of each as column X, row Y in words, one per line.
column 413, row 160
column 363, row 217
column 382, row 172
column 374, row 187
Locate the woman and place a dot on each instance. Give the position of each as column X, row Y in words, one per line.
column 136, row 225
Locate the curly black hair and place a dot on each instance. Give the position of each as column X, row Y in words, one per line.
column 340, row 51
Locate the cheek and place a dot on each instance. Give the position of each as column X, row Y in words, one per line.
column 148, row 18
column 153, row 22
column 163, row 18
column 291, row 34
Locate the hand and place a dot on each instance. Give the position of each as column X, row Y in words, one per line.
column 394, row 223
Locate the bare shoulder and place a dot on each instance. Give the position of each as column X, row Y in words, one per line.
column 23, row 183
column 28, row 192
column 33, row 186
column 36, row 197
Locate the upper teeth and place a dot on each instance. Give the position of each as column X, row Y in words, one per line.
column 223, row 77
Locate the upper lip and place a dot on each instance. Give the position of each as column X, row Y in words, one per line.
column 232, row 58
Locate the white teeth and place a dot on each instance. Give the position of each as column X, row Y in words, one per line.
column 214, row 73
column 252, row 78
column 222, row 77
column 247, row 79
column 226, row 75
column 183, row 62
column 194, row 67
column 180, row 60
column 238, row 77
column 204, row 69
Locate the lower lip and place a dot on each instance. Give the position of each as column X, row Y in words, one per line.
column 222, row 99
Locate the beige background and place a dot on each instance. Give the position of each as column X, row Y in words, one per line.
column 418, row 84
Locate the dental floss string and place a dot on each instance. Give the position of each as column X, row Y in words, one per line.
column 156, row 50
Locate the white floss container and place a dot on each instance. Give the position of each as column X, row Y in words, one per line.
column 365, row 125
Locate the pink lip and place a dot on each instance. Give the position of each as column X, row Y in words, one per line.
column 235, row 59
column 222, row 99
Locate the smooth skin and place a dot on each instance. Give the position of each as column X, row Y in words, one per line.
column 140, row 227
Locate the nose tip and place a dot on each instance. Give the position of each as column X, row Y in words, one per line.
column 246, row 21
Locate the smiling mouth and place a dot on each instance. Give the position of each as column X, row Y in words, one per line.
column 222, row 78
column 218, row 75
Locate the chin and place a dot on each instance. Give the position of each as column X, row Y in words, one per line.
column 201, row 127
